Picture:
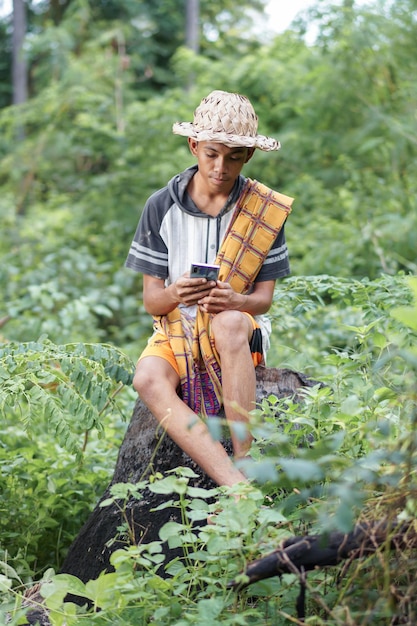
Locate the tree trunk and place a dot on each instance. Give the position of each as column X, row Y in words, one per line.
column 192, row 33
column 146, row 449
column 192, row 27
column 19, row 70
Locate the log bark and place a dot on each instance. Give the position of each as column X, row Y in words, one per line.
column 144, row 451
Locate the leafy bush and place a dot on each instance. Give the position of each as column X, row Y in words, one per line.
column 64, row 409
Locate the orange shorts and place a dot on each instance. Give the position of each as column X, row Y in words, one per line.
column 158, row 345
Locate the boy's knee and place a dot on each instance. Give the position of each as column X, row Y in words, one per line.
column 151, row 381
column 231, row 324
column 233, row 334
column 144, row 379
column 140, row 380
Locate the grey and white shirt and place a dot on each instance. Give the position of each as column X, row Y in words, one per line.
column 173, row 233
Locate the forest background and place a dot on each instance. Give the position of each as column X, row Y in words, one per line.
column 79, row 155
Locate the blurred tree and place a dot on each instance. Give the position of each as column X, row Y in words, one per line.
column 192, row 32
column 152, row 32
column 19, row 73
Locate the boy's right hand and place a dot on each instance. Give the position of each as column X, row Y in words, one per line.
column 191, row 290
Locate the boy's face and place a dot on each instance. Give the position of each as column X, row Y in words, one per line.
column 218, row 164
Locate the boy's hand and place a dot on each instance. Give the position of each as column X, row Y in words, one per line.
column 222, row 297
column 191, row 290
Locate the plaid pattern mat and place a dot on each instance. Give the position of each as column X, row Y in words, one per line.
column 259, row 215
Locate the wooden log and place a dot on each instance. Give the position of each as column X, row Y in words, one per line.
column 146, row 449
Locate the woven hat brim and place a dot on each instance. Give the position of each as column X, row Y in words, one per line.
column 187, row 129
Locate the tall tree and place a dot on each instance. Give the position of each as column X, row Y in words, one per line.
column 192, row 30
column 19, row 66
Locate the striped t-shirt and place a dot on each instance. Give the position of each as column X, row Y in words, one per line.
column 173, row 233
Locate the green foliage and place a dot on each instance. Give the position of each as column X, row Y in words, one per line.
column 345, row 450
column 316, row 316
column 68, row 295
column 68, row 387
column 196, row 589
column 144, row 33
column 5, row 66
column 46, row 493
column 56, row 403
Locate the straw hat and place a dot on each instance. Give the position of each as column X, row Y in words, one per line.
column 227, row 118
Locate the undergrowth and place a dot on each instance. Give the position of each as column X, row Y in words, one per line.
column 342, row 453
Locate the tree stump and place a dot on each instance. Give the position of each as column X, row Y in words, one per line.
column 147, row 449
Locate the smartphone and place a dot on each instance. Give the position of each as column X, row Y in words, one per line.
column 204, row 270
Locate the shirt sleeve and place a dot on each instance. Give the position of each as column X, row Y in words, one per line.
column 148, row 253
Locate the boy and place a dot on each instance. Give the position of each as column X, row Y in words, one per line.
column 210, row 334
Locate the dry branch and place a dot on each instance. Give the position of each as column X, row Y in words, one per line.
column 4, row 320
column 298, row 554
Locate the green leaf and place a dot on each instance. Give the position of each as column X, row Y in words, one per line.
column 8, row 571
column 55, row 589
column 215, row 428
column 169, row 484
column 170, row 530
column 408, row 314
column 210, row 609
column 5, row 583
column 101, row 590
column 205, row 494
column 301, row 470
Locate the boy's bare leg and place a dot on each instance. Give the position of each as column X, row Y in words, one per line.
column 156, row 383
column 232, row 332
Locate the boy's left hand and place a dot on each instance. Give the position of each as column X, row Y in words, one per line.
column 221, row 298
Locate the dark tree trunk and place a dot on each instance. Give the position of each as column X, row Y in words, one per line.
column 146, row 449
